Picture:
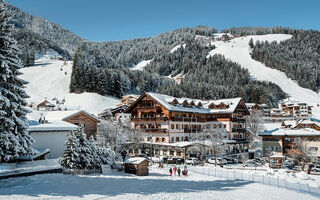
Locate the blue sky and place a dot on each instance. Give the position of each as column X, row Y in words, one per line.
column 104, row 20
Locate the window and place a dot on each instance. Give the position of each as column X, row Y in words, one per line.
column 224, row 126
column 178, row 153
column 157, row 139
column 177, row 126
column 177, row 139
column 172, row 139
column 163, row 139
column 171, row 153
column 186, row 138
column 172, row 126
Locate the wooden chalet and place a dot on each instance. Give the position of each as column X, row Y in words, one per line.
column 76, row 117
column 45, row 106
column 167, row 119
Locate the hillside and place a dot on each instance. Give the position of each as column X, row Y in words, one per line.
column 37, row 35
column 141, row 65
column 237, row 50
column 47, row 80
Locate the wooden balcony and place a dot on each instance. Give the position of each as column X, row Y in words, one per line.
column 188, row 119
column 149, row 119
column 156, row 130
column 238, row 130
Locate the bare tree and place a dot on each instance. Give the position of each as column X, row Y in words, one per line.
column 212, row 138
column 301, row 151
column 254, row 126
column 112, row 135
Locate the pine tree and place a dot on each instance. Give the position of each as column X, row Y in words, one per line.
column 80, row 153
column 251, row 44
column 15, row 140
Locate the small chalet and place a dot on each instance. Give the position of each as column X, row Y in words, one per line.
column 137, row 166
column 45, row 106
column 76, row 117
column 129, row 99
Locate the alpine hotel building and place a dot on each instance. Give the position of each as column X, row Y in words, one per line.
column 170, row 121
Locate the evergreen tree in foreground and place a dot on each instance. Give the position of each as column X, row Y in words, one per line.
column 80, row 153
column 15, row 140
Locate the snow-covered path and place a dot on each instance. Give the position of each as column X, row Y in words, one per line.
column 158, row 185
column 51, row 78
column 237, row 50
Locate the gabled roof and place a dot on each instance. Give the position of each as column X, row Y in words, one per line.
column 46, row 104
column 166, row 101
column 63, row 115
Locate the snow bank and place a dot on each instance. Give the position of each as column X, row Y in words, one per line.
column 237, row 50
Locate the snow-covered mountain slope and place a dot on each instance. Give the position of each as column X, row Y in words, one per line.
column 237, row 50
column 51, row 78
column 140, row 65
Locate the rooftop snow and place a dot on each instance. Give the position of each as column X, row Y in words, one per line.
column 291, row 132
column 165, row 100
column 134, row 160
column 51, row 126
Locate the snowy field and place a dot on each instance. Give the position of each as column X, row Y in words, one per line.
column 237, row 50
column 158, row 185
column 51, row 78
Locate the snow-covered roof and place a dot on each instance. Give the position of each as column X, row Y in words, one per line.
column 165, row 100
column 176, row 144
column 134, row 160
column 62, row 115
column 290, row 123
column 35, row 126
column 291, row 132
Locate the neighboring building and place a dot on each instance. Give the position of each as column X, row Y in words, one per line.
column 299, row 110
column 128, row 99
column 45, row 106
column 278, row 141
column 76, row 117
column 51, row 135
column 265, row 110
column 123, row 118
column 167, row 119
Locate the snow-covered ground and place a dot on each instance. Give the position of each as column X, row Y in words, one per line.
column 140, row 65
column 158, row 185
column 237, row 50
column 51, row 78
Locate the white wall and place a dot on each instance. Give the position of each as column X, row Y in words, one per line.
column 53, row 140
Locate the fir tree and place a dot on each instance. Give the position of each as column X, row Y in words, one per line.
column 251, row 44
column 15, row 140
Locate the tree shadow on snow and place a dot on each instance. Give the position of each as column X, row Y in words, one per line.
column 78, row 186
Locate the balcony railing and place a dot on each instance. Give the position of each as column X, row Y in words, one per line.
column 188, row 119
column 238, row 119
column 156, row 130
column 146, row 119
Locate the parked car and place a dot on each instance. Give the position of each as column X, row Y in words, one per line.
column 192, row 161
column 220, row 161
column 250, row 163
column 316, row 168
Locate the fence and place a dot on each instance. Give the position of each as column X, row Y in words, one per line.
column 265, row 180
column 10, row 169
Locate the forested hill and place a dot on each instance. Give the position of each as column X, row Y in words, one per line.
column 106, row 68
column 37, row 35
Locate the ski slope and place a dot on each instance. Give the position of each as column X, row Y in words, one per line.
column 140, row 65
column 47, row 80
column 237, row 50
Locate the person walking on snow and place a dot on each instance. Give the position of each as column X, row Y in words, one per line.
column 174, row 170
column 170, row 171
column 179, row 171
